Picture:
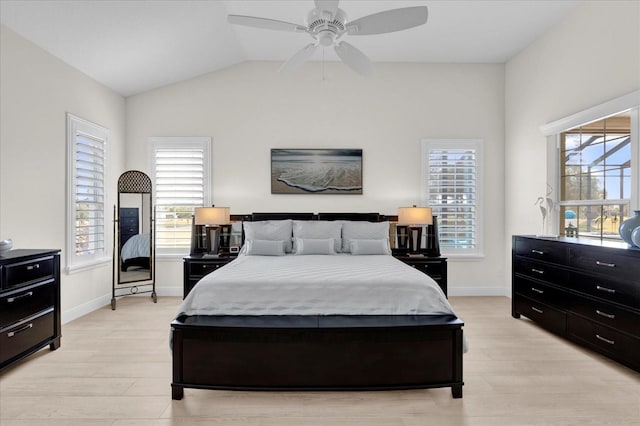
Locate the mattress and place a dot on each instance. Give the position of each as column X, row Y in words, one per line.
column 316, row 285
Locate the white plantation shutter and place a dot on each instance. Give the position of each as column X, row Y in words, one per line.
column 181, row 175
column 86, row 146
column 451, row 187
column 89, row 194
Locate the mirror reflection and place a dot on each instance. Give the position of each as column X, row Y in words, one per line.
column 135, row 231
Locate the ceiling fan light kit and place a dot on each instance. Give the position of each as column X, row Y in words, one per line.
column 327, row 24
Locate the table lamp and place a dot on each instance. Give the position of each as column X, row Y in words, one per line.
column 210, row 218
column 415, row 218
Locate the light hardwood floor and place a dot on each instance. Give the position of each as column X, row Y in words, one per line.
column 114, row 368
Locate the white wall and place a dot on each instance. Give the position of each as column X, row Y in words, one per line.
column 590, row 57
column 250, row 108
column 37, row 90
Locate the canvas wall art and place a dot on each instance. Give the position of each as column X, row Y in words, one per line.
column 316, row 171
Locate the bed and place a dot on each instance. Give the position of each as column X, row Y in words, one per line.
column 355, row 320
column 135, row 252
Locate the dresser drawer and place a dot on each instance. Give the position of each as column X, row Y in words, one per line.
column 22, row 273
column 615, row 266
column 200, row 269
column 541, row 271
column 623, row 292
column 537, row 291
column 547, row 251
column 545, row 315
column 604, row 313
column 26, row 301
column 26, row 334
column 605, row 339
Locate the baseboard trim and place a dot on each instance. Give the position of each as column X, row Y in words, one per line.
column 84, row 309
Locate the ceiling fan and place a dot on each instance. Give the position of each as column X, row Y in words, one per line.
column 327, row 25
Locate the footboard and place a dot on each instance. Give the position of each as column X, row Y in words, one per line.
column 317, row 353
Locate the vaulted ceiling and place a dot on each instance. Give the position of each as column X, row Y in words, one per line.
column 138, row 45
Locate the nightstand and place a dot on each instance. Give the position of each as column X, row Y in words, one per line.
column 197, row 266
column 435, row 267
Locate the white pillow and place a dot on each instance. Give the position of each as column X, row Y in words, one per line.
column 318, row 229
column 265, row 247
column 357, row 230
column 360, row 247
column 315, row 246
column 273, row 230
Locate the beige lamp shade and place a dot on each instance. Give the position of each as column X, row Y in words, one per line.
column 415, row 216
column 212, row 215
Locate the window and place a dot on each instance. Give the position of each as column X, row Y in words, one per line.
column 451, row 186
column 181, row 175
column 86, row 149
column 595, row 177
column 593, row 159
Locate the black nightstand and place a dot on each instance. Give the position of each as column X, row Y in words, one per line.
column 435, row 267
column 197, row 266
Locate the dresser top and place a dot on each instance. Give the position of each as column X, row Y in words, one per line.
column 593, row 242
column 18, row 253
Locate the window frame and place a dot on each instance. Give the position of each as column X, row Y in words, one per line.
column 74, row 263
column 178, row 142
column 478, row 145
column 552, row 130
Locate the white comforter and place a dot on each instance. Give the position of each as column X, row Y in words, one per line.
column 316, row 285
column 136, row 246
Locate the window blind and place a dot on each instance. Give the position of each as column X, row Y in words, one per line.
column 89, row 194
column 452, row 194
column 180, row 187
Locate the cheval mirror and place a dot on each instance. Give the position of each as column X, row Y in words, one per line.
column 133, row 243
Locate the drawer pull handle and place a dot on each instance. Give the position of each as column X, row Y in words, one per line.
column 13, row 299
column 534, row 309
column 32, row 267
column 20, row 330
column 537, row 271
column 540, row 252
column 604, row 314
column 606, row 290
column 537, row 290
column 609, row 265
column 604, row 339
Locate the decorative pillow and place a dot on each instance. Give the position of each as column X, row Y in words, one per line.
column 272, row 230
column 359, row 247
column 318, row 229
column 265, row 248
column 315, row 246
column 356, row 230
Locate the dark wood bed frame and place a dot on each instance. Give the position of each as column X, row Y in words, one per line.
column 335, row 352
column 142, row 262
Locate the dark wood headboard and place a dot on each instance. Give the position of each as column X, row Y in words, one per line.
column 369, row 217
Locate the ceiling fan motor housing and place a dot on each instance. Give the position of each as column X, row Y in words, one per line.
column 326, row 27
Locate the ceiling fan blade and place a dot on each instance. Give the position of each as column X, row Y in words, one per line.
column 299, row 58
column 269, row 24
column 328, row 5
column 389, row 21
column 354, row 57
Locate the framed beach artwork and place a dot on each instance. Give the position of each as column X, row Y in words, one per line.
column 316, row 171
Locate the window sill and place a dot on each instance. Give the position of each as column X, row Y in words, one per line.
column 464, row 257
column 81, row 267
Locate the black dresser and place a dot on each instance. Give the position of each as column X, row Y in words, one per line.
column 585, row 290
column 29, row 303
column 129, row 224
